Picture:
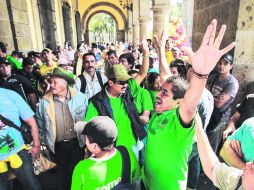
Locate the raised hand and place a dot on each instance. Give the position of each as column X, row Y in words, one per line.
column 206, row 57
column 160, row 42
column 144, row 46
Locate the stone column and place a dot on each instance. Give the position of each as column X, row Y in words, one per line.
column 135, row 22
column 135, row 27
column 244, row 50
column 5, row 29
column 160, row 18
column 145, row 19
column 146, row 27
column 129, row 29
column 86, row 36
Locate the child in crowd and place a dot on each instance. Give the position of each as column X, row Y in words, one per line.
column 103, row 169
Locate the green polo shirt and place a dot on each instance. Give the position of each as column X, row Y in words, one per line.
column 102, row 173
column 125, row 135
column 153, row 95
column 167, row 151
column 143, row 101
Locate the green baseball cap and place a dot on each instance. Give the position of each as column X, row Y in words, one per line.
column 62, row 73
column 118, row 72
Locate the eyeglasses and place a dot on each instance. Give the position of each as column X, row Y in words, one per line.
column 121, row 82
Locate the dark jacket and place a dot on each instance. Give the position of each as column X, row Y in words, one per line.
column 102, row 104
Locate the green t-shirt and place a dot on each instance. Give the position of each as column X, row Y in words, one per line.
column 143, row 101
column 125, row 135
column 153, row 95
column 98, row 174
column 14, row 62
column 167, row 151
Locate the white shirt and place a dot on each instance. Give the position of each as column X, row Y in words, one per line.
column 92, row 85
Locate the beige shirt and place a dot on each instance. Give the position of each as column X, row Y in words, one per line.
column 225, row 177
column 64, row 122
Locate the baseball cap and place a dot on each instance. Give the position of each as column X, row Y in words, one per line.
column 101, row 128
column 228, row 58
column 3, row 60
column 118, row 72
column 62, row 73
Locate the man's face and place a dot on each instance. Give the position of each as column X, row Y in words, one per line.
column 47, row 56
column 224, row 66
column 118, row 87
column 125, row 63
column 58, row 85
column 164, row 99
column 248, row 176
column 28, row 68
column 5, row 70
column 112, row 59
column 89, row 63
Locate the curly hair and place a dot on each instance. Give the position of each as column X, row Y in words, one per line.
column 179, row 86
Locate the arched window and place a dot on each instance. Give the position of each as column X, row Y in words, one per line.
column 47, row 19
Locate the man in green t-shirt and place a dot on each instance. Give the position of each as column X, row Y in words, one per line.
column 170, row 132
column 103, row 169
column 116, row 100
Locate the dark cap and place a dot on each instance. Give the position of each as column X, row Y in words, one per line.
column 228, row 58
column 118, row 72
column 3, row 60
column 101, row 128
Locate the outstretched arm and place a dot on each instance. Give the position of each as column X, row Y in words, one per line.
column 145, row 65
column 203, row 61
column 164, row 68
column 207, row 157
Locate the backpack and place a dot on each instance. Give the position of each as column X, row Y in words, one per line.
column 125, row 183
column 83, row 81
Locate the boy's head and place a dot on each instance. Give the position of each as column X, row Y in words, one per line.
column 100, row 132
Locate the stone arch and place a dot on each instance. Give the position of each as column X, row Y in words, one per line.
column 120, row 30
column 97, row 12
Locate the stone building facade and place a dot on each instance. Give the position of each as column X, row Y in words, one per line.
column 35, row 24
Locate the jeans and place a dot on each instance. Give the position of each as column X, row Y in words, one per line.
column 67, row 156
column 194, row 167
column 25, row 174
column 215, row 135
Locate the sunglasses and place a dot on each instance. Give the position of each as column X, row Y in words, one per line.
column 121, row 82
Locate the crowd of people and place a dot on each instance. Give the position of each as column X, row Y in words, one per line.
column 115, row 116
